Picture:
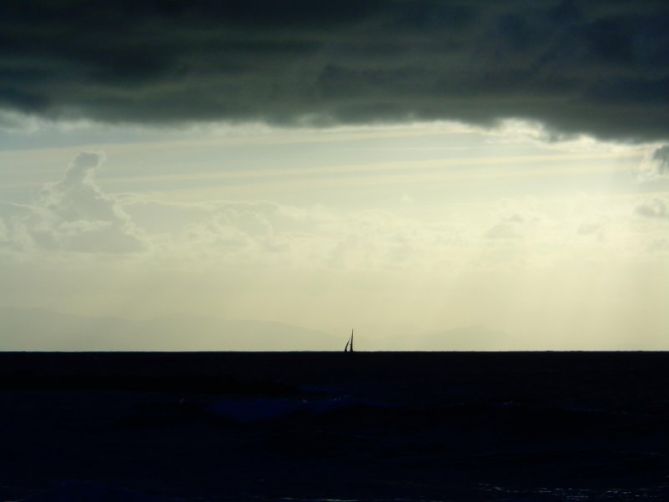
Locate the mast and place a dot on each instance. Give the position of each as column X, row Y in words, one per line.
column 351, row 348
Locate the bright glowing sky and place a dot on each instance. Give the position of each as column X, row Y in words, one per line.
column 267, row 175
column 426, row 235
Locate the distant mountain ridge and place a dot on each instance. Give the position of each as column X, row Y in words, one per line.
column 39, row 329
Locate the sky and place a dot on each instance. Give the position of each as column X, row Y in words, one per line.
column 438, row 175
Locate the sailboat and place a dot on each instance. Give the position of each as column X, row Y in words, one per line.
column 349, row 344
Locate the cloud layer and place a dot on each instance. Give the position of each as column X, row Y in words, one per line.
column 581, row 261
column 576, row 66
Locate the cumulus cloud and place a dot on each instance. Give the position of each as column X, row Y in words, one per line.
column 661, row 158
column 241, row 229
column 72, row 214
column 266, row 232
column 503, row 231
column 509, row 227
column 655, row 208
column 654, row 167
column 575, row 65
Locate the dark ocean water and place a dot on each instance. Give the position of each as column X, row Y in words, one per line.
column 333, row 426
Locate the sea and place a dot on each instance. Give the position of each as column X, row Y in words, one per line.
column 326, row 426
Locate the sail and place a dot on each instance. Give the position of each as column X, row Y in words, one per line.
column 349, row 344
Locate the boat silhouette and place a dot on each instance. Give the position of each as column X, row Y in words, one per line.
column 349, row 344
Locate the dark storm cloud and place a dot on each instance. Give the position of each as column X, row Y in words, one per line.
column 593, row 67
